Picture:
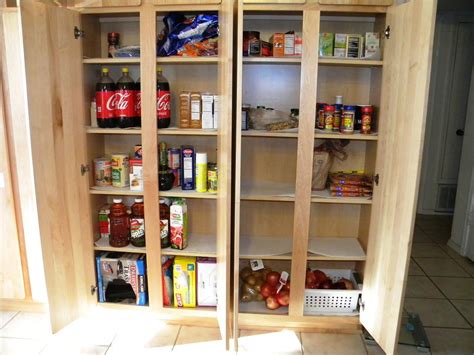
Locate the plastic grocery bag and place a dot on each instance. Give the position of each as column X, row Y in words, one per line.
column 323, row 158
column 188, row 36
column 259, row 118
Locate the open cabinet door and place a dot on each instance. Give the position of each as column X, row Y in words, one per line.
column 53, row 63
column 405, row 83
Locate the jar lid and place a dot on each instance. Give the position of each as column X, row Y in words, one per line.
column 367, row 109
column 117, row 200
column 339, row 100
column 139, row 200
column 349, row 108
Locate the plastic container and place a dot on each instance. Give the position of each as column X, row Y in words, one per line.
column 201, row 172
column 329, row 117
column 119, row 224
column 137, row 223
column 164, row 224
column 366, row 120
column 348, row 119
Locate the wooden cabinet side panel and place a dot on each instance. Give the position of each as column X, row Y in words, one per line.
column 105, row 3
column 186, row 2
column 357, row 2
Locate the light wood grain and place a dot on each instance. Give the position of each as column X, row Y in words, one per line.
column 296, row 2
column 105, row 3
column 23, row 306
column 185, row 2
column 357, row 2
column 304, row 171
column 111, row 61
column 404, row 94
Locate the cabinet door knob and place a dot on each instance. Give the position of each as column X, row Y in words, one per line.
column 460, row 132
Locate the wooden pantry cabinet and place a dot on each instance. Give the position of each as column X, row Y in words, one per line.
column 64, row 51
column 278, row 218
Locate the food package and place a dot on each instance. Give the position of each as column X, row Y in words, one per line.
column 193, row 36
column 326, row 44
column 136, row 175
column 206, row 281
column 104, row 221
column 184, row 281
column 350, row 184
column 121, row 278
column 323, row 158
column 289, row 44
column 179, row 224
column 259, row 118
column 298, row 45
column 167, row 280
column 340, row 43
column 354, row 46
column 278, row 43
column 127, row 52
column 372, row 46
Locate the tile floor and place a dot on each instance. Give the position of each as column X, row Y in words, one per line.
column 440, row 289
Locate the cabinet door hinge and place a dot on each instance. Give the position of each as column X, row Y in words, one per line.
column 93, row 289
column 386, row 33
column 376, row 179
column 361, row 303
column 84, row 169
column 78, row 33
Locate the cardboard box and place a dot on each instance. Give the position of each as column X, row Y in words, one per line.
column 372, row 46
column 216, row 112
column 207, row 120
column 326, row 44
column 289, row 49
column 104, row 221
column 340, row 44
column 179, row 224
column 121, row 278
column 206, row 282
column 278, row 42
column 184, row 281
column 184, row 109
column 354, row 46
column 138, row 151
column 298, row 45
column 136, row 175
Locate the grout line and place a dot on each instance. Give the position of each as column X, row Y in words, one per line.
column 450, row 328
column 12, row 318
column 176, row 339
column 467, row 320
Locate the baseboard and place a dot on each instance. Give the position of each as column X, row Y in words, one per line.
column 22, row 305
column 454, row 246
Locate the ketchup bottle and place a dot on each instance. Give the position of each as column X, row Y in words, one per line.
column 119, row 224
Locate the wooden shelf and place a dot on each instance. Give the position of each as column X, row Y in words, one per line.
column 103, row 245
column 98, row 130
column 188, row 60
column 350, row 62
column 199, row 246
column 268, row 191
column 111, row 61
column 199, row 311
column 259, row 307
column 122, row 306
column 174, row 131
column 320, row 134
column 288, row 133
column 117, row 191
column 325, row 197
column 271, row 60
column 177, row 192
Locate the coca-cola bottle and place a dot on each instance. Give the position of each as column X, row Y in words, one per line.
column 138, row 105
column 163, row 100
column 104, row 97
column 125, row 100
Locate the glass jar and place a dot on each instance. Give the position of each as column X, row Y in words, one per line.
column 119, row 224
column 164, row 223
column 137, row 223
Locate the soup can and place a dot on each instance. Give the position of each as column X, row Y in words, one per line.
column 103, row 172
column 120, row 170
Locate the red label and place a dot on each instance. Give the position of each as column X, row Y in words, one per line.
column 138, row 104
column 102, row 99
column 163, row 104
column 124, row 103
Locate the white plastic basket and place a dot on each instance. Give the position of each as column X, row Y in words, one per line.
column 337, row 302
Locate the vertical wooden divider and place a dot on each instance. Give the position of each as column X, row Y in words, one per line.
column 304, row 164
column 150, row 154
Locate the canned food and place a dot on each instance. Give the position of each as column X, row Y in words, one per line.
column 366, row 120
column 347, row 119
column 320, row 115
column 212, row 177
column 328, row 117
column 103, row 172
column 120, row 170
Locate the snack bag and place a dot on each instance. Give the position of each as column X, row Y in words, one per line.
column 322, row 161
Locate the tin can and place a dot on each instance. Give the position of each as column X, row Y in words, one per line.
column 366, row 120
column 320, row 115
column 328, row 117
column 212, row 177
column 103, row 172
column 347, row 119
column 120, row 170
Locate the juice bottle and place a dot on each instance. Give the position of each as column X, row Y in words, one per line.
column 119, row 224
column 137, row 223
column 164, row 223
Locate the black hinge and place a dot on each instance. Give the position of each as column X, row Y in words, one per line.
column 376, row 179
column 78, row 33
column 386, row 33
column 84, row 169
column 93, row 289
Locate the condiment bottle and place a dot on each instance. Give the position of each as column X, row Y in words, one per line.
column 137, row 223
column 201, row 172
column 366, row 126
column 164, row 223
column 119, row 224
column 328, row 117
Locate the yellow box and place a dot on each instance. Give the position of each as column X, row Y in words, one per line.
column 184, row 281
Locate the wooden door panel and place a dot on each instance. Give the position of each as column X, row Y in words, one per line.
column 186, row 2
column 357, row 2
column 405, row 82
column 53, row 62
column 106, row 3
column 278, row 2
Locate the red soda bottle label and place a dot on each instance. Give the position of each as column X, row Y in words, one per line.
column 138, row 103
column 124, row 103
column 104, row 108
column 163, row 104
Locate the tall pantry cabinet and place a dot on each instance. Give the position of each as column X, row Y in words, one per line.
column 278, row 218
column 65, row 48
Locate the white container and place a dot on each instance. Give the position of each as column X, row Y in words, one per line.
column 333, row 302
column 206, row 282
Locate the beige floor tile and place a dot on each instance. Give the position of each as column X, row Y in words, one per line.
column 451, row 341
column 448, row 250
column 466, row 308
column 456, row 288
column 199, row 340
column 422, row 287
column 268, row 342
column 408, row 350
column 331, row 344
column 14, row 346
column 436, row 313
column 75, row 349
column 441, row 267
column 420, row 237
column 374, row 350
column 466, row 264
column 28, row 326
column 427, row 250
column 5, row 317
column 414, row 269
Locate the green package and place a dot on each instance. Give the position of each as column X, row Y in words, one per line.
column 326, row 44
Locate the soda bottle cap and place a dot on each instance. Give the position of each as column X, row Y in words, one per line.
column 105, row 70
column 139, row 200
column 124, row 70
column 338, row 100
column 117, row 200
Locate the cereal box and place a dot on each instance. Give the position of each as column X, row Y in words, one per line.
column 372, row 46
column 326, row 44
column 340, row 43
column 278, row 41
column 179, row 224
column 136, row 175
column 184, row 281
column 206, row 269
column 289, row 44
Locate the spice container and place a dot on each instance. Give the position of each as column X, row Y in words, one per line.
column 137, row 223
column 119, row 224
column 201, row 172
column 366, row 120
column 164, row 223
column 337, row 114
column 212, row 177
column 113, row 38
column 320, row 115
column 347, row 122
column 328, row 117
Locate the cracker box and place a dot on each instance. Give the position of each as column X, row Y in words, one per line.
column 179, row 224
column 121, row 278
column 298, row 45
column 354, row 46
column 136, row 175
column 278, row 41
column 372, row 46
column 326, row 44
column 340, row 43
column 104, row 221
column 289, row 49
column 184, row 281
column 206, row 269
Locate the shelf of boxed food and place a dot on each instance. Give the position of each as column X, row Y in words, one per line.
column 103, row 245
column 198, row 246
column 188, row 60
column 271, row 60
column 350, row 62
column 336, row 249
column 111, row 61
column 116, row 191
